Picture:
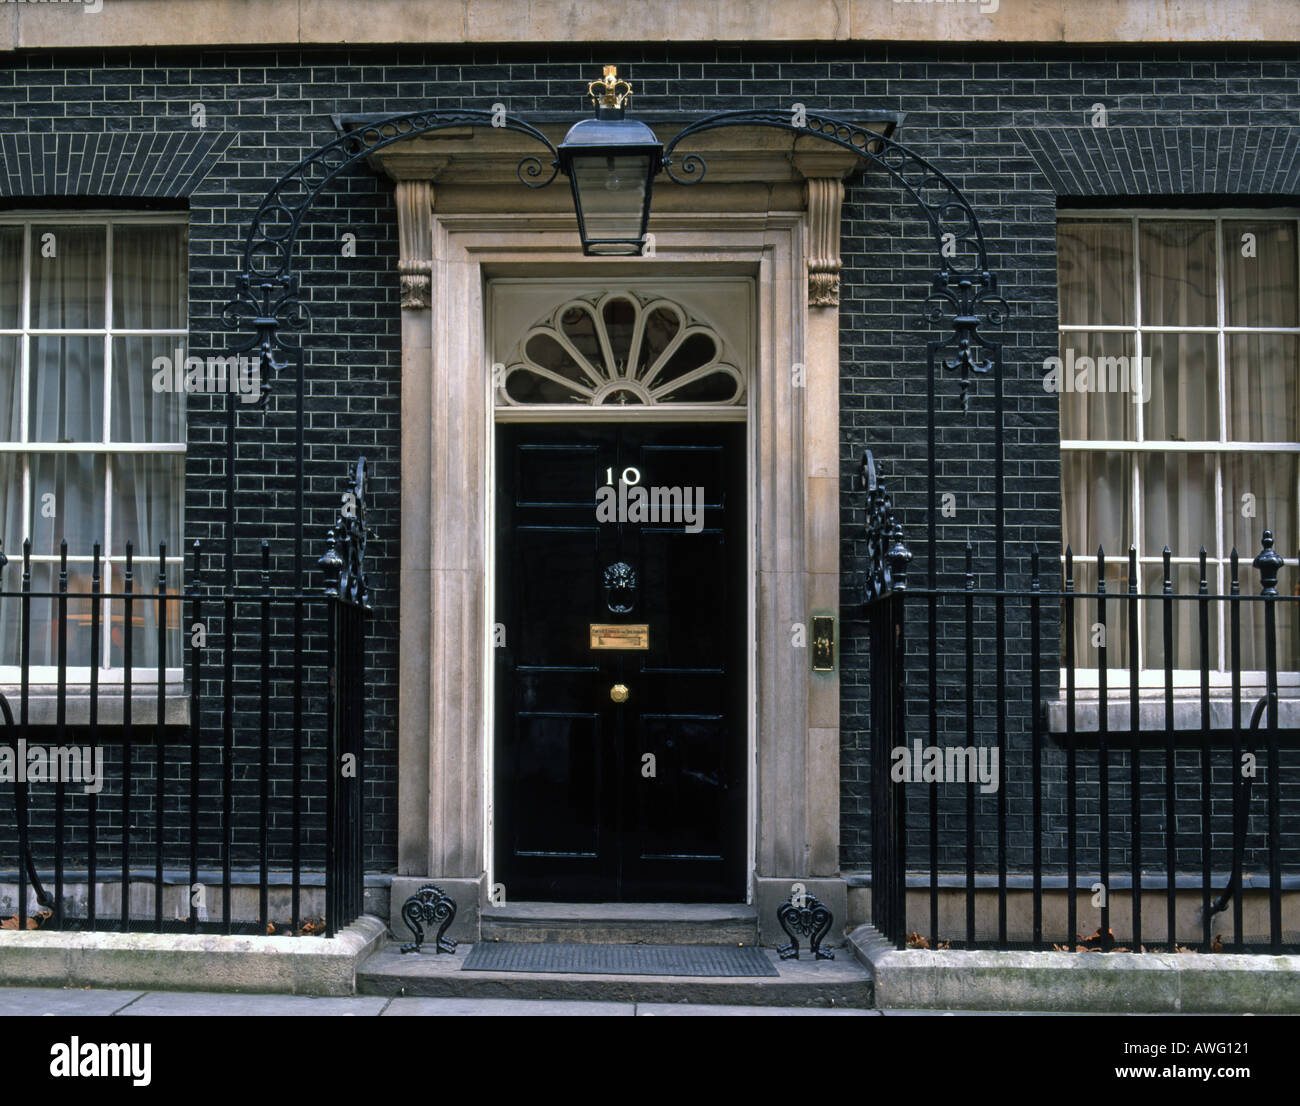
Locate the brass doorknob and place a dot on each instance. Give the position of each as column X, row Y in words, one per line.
column 618, row 693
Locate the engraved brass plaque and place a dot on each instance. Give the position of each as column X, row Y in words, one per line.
column 626, row 635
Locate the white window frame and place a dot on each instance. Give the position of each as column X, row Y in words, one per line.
column 111, row 565
column 1218, row 560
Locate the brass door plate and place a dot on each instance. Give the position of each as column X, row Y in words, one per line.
column 624, row 635
column 823, row 643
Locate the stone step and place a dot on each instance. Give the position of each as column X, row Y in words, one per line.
column 842, row 982
column 622, row 923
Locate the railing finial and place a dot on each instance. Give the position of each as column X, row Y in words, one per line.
column 1269, row 562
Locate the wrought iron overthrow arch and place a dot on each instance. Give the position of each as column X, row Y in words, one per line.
column 267, row 290
column 275, row 225
column 962, row 290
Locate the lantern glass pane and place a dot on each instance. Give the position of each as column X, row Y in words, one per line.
column 611, row 191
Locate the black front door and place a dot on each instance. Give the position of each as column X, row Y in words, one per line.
column 620, row 716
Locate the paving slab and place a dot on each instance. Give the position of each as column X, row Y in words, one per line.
column 170, row 1004
column 36, row 1002
column 504, row 1007
column 697, row 1010
column 904, row 1013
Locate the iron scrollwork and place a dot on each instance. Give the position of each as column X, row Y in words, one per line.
column 807, row 915
column 887, row 556
column 267, row 290
column 345, row 545
column 270, row 305
column 429, row 906
column 967, row 351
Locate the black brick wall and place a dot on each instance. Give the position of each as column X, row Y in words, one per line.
column 1002, row 122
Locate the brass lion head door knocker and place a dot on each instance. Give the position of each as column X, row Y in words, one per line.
column 620, row 588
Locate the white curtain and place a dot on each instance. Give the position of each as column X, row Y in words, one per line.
column 148, row 294
column 68, row 268
column 1177, row 263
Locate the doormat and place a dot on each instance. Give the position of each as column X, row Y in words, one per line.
column 545, row 956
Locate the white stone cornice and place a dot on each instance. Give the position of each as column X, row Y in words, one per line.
column 117, row 23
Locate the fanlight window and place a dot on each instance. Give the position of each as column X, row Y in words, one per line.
column 620, row 348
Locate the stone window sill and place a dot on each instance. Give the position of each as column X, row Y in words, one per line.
column 1151, row 711
column 42, row 704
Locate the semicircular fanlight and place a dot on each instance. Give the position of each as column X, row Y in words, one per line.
column 620, row 348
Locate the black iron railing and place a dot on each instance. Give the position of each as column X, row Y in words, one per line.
column 218, row 786
column 1098, row 767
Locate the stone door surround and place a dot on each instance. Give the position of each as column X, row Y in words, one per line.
column 768, row 209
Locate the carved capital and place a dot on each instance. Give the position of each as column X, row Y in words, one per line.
column 415, row 241
column 415, row 277
column 825, row 198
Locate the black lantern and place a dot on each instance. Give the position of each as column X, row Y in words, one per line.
column 611, row 161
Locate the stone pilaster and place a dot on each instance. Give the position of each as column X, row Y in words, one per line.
column 415, row 230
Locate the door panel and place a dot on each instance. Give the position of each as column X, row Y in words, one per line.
column 642, row 800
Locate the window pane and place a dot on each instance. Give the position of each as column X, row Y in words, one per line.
column 1097, row 387
column 1186, row 636
column 13, row 527
column 44, row 639
column 1097, row 504
column 1176, row 266
column 1086, row 655
column 1184, row 403
column 67, row 502
column 11, row 414
column 66, row 389
column 1177, row 510
column 68, row 276
column 141, row 412
column 1095, row 265
column 147, row 502
column 1259, row 493
column 1261, row 288
column 1254, row 654
column 11, row 277
column 1263, row 403
column 150, row 274
column 144, row 617
column 620, row 319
